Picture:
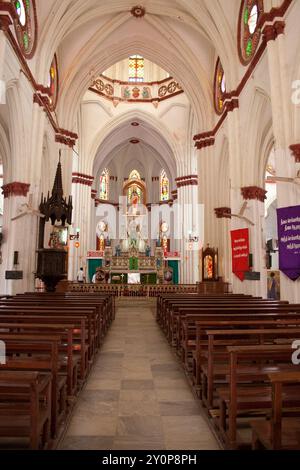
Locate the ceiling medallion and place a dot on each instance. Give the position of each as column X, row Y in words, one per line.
column 138, row 11
column 134, row 141
column 135, row 124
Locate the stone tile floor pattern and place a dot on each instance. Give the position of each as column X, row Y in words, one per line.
column 137, row 397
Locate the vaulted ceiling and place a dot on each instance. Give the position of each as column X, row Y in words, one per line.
column 183, row 37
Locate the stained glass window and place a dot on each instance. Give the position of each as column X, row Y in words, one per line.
column 219, row 87
column 136, row 69
column 249, row 32
column 104, row 184
column 26, row 25
column 53, row 83
column 134, row 175
column 164, row 186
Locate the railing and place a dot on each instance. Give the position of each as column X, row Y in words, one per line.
column 152, row 92
column 129, row 290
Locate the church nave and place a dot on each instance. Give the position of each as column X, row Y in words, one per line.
column 137, row 396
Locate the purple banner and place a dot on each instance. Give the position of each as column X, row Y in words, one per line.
column 288, row 219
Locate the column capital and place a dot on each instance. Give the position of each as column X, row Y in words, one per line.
column 272, row 31
column 189, row 180
column 205, row 142
column 254, row 192
column 80, row 178
column 223, row 212
column 174, row 194
column 295, row 149
column 15, row 188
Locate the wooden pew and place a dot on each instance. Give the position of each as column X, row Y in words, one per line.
column 164, row 302
column 248, row 391
column 24, row 325
column 86, row 316
column 279, row 433
column 175, row 329
column 217, row 355
column 29, row 416
column 202, row 326
column 45, row 333
column 80, row 337
column 188, row 327
column 31, row 353
column 104, row 304
column 93, row 327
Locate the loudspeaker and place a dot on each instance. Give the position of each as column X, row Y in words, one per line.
column 16, row 258
column 250, row 260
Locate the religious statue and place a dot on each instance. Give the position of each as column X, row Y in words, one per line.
column 118, row 250
column 100, row 276
column 148, row 251
column 208, row 267
column 141, row 245
column 125, row 244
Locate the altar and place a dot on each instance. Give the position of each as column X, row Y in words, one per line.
column 133, row 267
column 131, row 257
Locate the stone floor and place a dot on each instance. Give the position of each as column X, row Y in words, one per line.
column 137, row 397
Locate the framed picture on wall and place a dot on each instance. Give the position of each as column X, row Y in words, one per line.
column 62, row 234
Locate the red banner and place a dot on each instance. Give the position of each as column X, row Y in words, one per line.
column 240, row 252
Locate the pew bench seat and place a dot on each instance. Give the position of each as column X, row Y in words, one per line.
column 25, row 408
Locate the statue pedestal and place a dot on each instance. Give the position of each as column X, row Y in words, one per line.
column 51, row 267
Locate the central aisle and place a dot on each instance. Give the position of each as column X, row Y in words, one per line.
column 137, row 396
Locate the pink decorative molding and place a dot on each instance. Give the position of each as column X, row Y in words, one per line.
column 223, row 212
column 80, row 178
column 254, row 192
column 295, row 149
column 15, row 189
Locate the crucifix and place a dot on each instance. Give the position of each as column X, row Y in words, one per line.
column 122, row 276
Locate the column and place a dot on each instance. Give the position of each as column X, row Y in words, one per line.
column 281, row 91
column 81, row 192
column 188, row 200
